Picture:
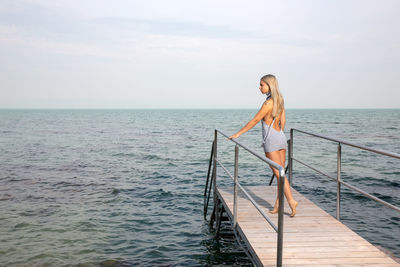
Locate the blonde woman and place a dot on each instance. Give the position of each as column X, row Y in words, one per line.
column 272, row 116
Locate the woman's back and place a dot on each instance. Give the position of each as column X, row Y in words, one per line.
column 268, row 118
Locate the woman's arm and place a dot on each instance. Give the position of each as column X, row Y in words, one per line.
column 267, row 106
column 283, row 119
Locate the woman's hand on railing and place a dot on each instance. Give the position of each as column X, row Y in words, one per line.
column 236, row 135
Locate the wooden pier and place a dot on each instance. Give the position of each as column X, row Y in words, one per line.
column 311, row 238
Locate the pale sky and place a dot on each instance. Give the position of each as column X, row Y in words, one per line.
column 198, row 54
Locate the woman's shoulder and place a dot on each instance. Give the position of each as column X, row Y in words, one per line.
column 269, row 103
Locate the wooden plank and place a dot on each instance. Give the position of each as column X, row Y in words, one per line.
column 335, row 265
column 317, row 249
column 305, row 245
column 301, row 254
column 295, row 238
column 312, row 237
column 336, row 261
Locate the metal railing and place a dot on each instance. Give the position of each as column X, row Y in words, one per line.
column 214, row 161
column 279, row 229
column 339, row 167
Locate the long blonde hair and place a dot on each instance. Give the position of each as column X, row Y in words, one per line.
column 276, row 95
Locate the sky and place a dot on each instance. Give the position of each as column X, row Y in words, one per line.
column 198, row 54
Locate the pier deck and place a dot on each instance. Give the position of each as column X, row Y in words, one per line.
column 311, row 238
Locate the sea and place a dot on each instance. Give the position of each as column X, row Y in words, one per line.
column 126, row 187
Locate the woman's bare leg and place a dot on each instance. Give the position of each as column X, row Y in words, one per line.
column 293, row 204
column 280, row 157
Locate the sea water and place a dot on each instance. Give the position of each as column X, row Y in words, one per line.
column 125, row 187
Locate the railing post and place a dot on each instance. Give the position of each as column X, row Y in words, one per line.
column 214, row 182
column 235, row 215
column 290, row 157
column 207, row 199
column 339, row 167
column 215, row 166
column 209, row 169
column 280, row 216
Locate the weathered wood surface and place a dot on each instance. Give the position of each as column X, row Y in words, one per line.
column 311, row 238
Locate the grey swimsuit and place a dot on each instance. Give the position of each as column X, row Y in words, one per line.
column 272, row 139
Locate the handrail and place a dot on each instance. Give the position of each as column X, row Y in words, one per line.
column 382, row 152
column 263, row 158
column 338, row 179
column 250, row 198
column 281, row 170
column 351, row 187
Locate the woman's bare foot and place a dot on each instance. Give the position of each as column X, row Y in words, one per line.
column 293, row 207
column 276, row 208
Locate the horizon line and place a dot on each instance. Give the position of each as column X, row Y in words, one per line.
column 181, row 108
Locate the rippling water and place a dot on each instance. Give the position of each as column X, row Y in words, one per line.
column 125, row 187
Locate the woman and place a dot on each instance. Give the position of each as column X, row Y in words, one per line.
column 272, row 115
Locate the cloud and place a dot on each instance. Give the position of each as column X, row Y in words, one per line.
column 172, row 27
column 223, row 46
